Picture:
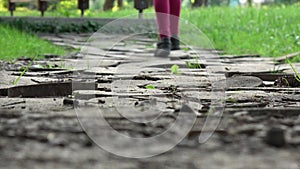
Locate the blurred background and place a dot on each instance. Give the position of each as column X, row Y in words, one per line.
column 69, row 7
column 269, row 28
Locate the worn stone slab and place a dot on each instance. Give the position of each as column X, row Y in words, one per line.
column 39, row 106
column 87, row 64
column 101, row 71
column 248, row 60
column 177, row 55
column 251, row 68
column 287, row 112
column 243, row 81
column 88, row 94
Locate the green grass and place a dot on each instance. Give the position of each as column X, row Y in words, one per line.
column 268, row 31
column 15, row 43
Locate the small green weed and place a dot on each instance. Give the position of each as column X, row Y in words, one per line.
column 150, row 87
column 297, row 76
column 175, row 69
column 23, row 72
column 195, row 65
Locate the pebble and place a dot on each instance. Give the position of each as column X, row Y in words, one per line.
column 275, row 136
column 68, row 101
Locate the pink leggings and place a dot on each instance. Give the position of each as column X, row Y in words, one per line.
column 167, row 15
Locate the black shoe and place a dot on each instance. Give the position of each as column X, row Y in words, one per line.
column 163, row 48
column 175, row 43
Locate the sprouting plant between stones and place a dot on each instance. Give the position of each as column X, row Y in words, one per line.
column 23, row 72
column 175, row 69
column 275, row 70
column 231, row 100
column 286, row 81
column 297, row 76
column 150, row 87
column 195, row 65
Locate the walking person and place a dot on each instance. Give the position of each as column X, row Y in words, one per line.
column 167, row 17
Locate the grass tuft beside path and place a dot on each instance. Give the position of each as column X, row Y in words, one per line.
column 14, row 44
column 273, row 31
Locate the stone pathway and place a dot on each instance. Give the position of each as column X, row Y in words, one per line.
column 259, row 128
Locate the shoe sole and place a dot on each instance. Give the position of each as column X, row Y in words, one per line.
column 175, row 48
column 161, row 53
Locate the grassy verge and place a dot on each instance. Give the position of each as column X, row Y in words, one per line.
column 268, row 31
column 16, row 44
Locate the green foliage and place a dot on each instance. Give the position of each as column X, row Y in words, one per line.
column 175, row 69
column 3, row 5
column 195, row 65
column 15, row 43
column 67, row 7
column 286, row 1
column 267, row 31
column 150, row 87
column 54, row 27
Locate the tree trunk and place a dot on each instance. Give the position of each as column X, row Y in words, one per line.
column 199, row 3
column 250, row 3
column 120, row 3
column 108, row 5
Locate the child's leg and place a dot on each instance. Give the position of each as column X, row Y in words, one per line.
column 162, row 8
column 175, row 6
